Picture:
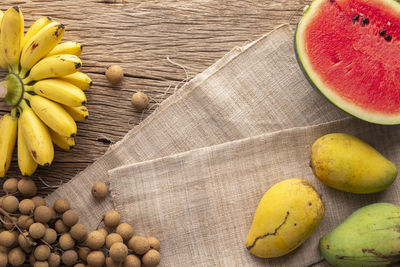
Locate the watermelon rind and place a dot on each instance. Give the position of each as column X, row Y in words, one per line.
column 306, row 67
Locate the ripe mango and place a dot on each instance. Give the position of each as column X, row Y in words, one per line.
column 368, row 237
column 286, row 216
column 349, row 164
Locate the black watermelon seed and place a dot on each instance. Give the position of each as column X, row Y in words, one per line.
column 382, row 32
column 388, row 37
column 355, row 18
column 364, row 21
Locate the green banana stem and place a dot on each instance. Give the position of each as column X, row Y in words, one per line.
column 14, row 113
column 27, row 96
column 12, row 89
column 23, row 73
column 26, row 80
column 23, row 105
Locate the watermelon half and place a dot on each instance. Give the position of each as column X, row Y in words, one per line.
column 350, row 50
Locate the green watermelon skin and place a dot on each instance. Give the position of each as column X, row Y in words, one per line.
column 341, row 50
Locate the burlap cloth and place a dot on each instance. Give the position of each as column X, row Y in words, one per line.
column 254, row 90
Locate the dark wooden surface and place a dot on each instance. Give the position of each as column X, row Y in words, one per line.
column 141, row 36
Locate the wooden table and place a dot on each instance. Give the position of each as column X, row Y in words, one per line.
column 155, row 42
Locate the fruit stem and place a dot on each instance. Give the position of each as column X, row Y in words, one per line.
column 22, row 73
column 14, row 113
column 14, row 89
column 27, row 96
column 23, row 105
column 27, row 80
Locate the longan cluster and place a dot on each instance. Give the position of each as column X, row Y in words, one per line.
column 116, row 245
column 32, row 232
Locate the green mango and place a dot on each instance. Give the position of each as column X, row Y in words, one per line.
column 368, row 237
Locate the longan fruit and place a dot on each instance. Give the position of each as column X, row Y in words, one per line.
column 61, row 205
column 60, row 227
column 10, row 186
column 111, row 219
column 42, row 214
column 27, row 187
column 140, row 101
column 53, row 213
column 114, row 74
column 3, row 259
column 10, row 222
column 139, row 244
column 24, row 222
column 99, row 190
column 69, row 257
column 103, row 231
column 26, row 206
column 113, row 238
column 151, row 258
column 125, row 230
column 79, row 265
column 16, row 256
column 41, row 264
column 79, row 232
column 4, row 249
column 42, row 252
column 39, row 201
column 83, row 252
column 37, row 230
column 154, row 243
column 111, row 263
column 54, row 260
column 8, row 239
column 118, row 252
column 25, row 242
column 50, row 236
column 66, row 241
column 95, row 240
column 96, row 259
column 132, row 261
column 70, row 218
column 10, row 204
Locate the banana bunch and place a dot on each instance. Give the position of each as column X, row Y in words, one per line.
column 44, row 87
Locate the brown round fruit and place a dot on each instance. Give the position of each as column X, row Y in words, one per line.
column 42, row 252
column 24, row 222
column 132, row 261
column 99, row 190
column 50, row 236
column 42, row 214
column 26, row 206
column 118, row 252
column 151, row 258
column 96, row 259
column 79, row 265
column 111, row 219
column 112, row 239
column 114, row 74
column 16, row 256
column 10, row 186
column 70, row 218
column 111, row 263
column 54, row 260
column 37, row 230
column 66, row 241
column 154, row 243
column 41, row 264
column 39, row 201
column 27, row 187
column 61, row 205
column 10, row 222
column 95, row 240
column 25, row 242
column 8, row 239
column 79, row 232
column 125, row 230
column 60, row 227
column 69, row 257
column 139, row 244
column 103, row 231
column 140, row 101
column 3, row 259
column 10, row 204
column 83, row 252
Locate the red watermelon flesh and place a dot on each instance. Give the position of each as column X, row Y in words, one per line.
column 350, row 50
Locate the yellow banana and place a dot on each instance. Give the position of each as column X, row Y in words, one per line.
column 27, row 165
column 36, row 136
column 53, row 115
column 40, row 45
column 54, row 66
column 3, row 64
column 67, row 48
column 78, row 113
column 12, row 34
column 65, row 143
column 59, row 91
column 79, row 79
column 8, row 137
column 35, row 28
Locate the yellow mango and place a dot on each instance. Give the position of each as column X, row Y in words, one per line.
column 286, row 216
column 349, row 164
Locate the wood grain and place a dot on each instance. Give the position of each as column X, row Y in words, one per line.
column 141, row 36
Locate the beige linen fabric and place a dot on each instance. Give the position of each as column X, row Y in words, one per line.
column 253, row 90
column 200, row 203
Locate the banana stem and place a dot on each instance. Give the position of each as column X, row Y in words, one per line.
column 14, row 113
column 27, row 96
column 27, row 80
column 3, row 90
column 23, row 105
column 22, row 74
column 28, row 88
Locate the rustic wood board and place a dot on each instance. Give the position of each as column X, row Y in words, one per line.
column 141, row 36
